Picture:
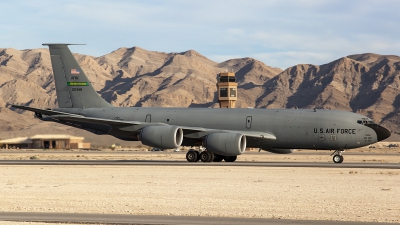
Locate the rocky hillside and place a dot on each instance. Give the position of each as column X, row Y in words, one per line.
column 365, row 83
column 124, row 77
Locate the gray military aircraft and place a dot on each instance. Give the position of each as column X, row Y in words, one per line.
column 225, row 133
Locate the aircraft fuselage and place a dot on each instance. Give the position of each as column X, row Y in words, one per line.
column 293, row 128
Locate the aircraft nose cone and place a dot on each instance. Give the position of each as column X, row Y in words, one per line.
column 381, row 132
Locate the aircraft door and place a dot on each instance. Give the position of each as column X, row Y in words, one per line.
column 248, row 122
column 148, row 118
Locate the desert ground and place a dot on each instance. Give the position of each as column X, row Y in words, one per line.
column 234, row 191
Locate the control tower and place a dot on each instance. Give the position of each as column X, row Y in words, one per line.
column 227, row 90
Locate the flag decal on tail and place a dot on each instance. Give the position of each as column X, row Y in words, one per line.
column 74, row 72
column 77, row 83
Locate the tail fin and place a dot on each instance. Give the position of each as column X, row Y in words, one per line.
column 73, row 88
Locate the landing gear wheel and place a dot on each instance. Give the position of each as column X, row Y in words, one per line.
column 192, row 156
column 206, row 156
column 218, row 158
column 337, row 158
column 198, row 156
column 230, row 158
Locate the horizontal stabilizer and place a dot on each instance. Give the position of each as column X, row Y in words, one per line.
column 42, row 111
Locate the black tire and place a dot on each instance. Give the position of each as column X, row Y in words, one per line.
column 230, row 158
column 218, row 158
column 341, row 159
column 206, row 156
column 198, row 156
column 192, row 156
column 337, row 158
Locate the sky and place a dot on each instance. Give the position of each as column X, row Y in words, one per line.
column 280, row 33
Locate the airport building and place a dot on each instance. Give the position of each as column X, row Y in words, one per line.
column 227, row 90
column 45, row 141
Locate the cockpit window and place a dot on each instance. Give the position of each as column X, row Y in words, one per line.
column 365, row 121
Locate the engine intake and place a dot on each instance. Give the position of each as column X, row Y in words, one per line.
column 227, row 144
column 165, row 137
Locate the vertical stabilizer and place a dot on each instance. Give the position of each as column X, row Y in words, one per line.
column 73, row 88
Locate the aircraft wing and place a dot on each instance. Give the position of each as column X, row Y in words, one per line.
column 116, row 123
column 190, row 132
column 135, row 126
column 198, row 132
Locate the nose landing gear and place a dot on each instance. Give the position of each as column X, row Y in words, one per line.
column 337, row 156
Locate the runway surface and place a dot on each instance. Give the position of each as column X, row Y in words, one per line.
column 185, row 163
column 145, row 219
column 128, row 152
column 157, row 219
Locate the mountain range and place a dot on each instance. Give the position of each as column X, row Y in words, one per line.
column 364, row 83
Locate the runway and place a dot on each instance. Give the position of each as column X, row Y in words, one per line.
column 185, row 163
column 152, row 219
column 128, row 152
column 159, row 219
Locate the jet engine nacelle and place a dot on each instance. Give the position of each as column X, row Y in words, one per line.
column 280, row 150
column 164, row 137
column 227, row 144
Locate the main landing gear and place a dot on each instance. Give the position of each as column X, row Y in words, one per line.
column 206, row 156
column 337, row 156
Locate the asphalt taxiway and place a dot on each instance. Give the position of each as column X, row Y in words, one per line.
column 156, row 219
column 129, row 152
column 185, row 163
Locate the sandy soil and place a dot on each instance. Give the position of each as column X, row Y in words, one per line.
column 291, row 193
